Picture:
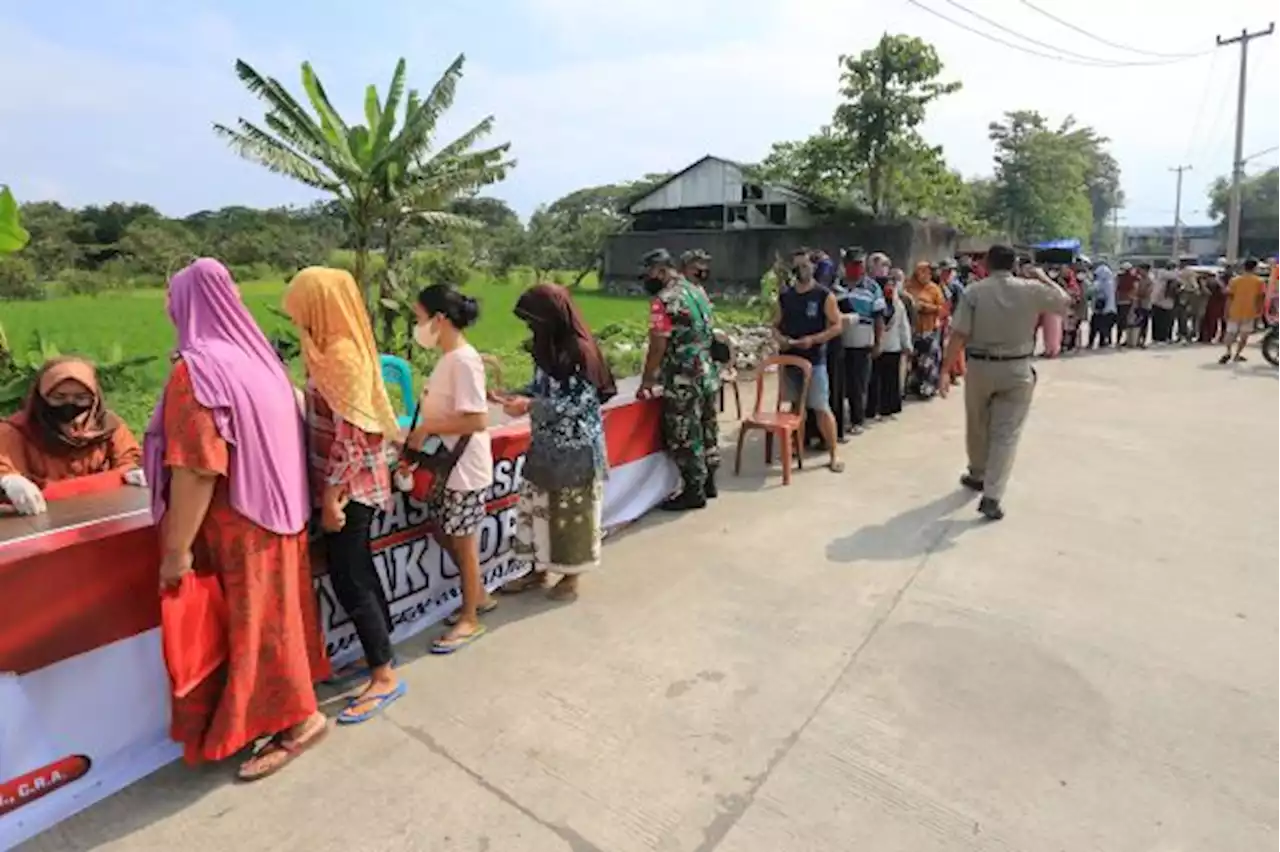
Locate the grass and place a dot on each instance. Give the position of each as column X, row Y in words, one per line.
column 136, row 320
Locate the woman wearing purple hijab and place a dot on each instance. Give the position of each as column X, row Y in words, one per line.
column 224, row 451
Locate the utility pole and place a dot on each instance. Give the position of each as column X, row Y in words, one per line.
column 1237, row 162
column 1115, row 234
column 1177, row 215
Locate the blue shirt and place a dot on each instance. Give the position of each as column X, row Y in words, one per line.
column 803, row 316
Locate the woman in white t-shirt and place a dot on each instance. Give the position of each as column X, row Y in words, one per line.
column 454, row 405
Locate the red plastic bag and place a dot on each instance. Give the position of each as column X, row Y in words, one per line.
column 193, row 628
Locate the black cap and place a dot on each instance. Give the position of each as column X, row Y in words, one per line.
column 656, row 257
column 853, row 254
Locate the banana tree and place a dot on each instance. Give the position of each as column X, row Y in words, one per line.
column 12, row 235
column 382, row 172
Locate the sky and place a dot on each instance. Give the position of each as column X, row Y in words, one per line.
column 113, row 100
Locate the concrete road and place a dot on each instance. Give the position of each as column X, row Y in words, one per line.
column 851, row 663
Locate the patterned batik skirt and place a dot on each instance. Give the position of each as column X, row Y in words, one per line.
column 926, row 361
column 560, row 530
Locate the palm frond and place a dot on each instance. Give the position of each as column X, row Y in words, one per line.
column 257, row 145
column 464, row 142
column 269, row 90
column 441, row 219
column 415, row 137
column 335, row 129
column 387, row 122
column 372, row 108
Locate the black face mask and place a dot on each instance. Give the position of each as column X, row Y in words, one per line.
column 702, row 274
column 67, row 412
column 652, row 284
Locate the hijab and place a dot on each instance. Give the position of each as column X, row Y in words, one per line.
column 38, row 421
column 562, row 343
column 236, row 374
column 338, row 348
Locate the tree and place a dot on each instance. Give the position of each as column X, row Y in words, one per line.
column 385, row 173
column 887, row 91
column 871, row 158
column 157, row 246
column 52, row 228
column 1042, row 188
column 1259, row 211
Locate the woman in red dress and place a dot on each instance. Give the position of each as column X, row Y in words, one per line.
column 224, row 451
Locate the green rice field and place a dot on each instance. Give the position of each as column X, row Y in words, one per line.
column 136, row 322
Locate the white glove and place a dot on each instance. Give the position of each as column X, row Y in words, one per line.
column 135, row 477
column 23, row 494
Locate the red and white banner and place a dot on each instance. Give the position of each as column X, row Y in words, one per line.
column 84, row 696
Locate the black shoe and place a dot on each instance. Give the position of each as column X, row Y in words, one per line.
column 684, row 501
column 1224, row 359
column 972, row 484
column 710, row 489
column 990, row 508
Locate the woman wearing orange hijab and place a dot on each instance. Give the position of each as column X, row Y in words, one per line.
column 350, row 424
column 926, row 360
column 63, row 431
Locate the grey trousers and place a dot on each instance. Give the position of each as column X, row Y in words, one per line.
column 997, row 397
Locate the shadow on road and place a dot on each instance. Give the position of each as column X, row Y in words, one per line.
column 915, row 532
column 1246, row 370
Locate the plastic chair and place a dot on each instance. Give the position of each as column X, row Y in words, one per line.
column 788, row 425
column 396, row 371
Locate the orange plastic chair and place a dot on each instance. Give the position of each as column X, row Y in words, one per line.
column 787, row 425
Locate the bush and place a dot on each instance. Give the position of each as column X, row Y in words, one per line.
column 256, row 271
column 346, row 259
column 18, row 279
column 82, row 282
column 438, row 267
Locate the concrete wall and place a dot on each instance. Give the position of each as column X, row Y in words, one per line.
column 740, row 258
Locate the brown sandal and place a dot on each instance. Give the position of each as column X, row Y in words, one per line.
column 276, row 744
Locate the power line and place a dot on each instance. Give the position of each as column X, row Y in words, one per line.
column 1107, row 42
column 997, row 39
column 1204, row 101
column 1083, row 58
column 1257, row 154
column 1013, row 46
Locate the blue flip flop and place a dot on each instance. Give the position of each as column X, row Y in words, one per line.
column 380, row 702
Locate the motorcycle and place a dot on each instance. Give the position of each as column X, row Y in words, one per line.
column 1271, row 344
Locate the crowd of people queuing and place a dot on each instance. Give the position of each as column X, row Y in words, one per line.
column 248, row 473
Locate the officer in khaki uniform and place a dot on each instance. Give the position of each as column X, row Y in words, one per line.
column 995, row 327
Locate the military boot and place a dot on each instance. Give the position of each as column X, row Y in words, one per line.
column 710, row 489
column 690, row 497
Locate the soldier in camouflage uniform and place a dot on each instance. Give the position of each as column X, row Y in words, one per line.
column 679, row 358
column 695, row 267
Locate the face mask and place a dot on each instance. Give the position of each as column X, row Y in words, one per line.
column 653, row 285
column 67, row 412
column 426, row 335
column 702, row 274
column 854, row 271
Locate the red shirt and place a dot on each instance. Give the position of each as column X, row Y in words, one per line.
column 659, row 320
column 342, row 454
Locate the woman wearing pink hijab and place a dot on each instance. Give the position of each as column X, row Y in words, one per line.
column 224, row 452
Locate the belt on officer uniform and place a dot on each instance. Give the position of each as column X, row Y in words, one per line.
column 983, row 356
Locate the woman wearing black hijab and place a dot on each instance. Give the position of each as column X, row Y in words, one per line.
column 562, row 489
